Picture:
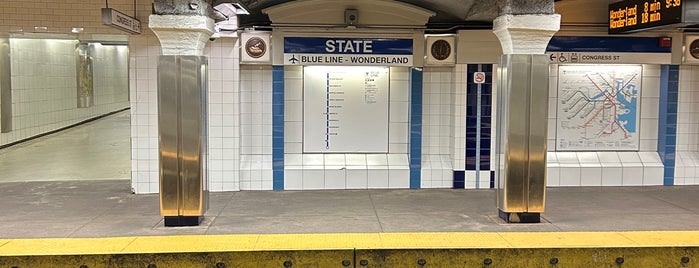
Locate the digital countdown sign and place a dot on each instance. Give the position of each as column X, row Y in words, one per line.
column 637, row 15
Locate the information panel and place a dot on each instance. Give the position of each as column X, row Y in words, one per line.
column 345, row 109
column 598, row 107
column 636, row 15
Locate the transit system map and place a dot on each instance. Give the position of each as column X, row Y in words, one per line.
column 598, row 107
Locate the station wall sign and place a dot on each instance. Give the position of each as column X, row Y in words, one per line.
column 115, row 19
column 604, row 49
column 638, row 15
column 348, row 51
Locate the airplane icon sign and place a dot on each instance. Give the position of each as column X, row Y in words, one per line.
column 293, row 59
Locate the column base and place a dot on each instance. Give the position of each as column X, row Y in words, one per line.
column 174, row 221
column 519, row 217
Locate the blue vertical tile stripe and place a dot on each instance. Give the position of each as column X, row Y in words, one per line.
column 667, row 122
column 278, row 128
column 459, row 179
column 415, row 127
column 479, row 100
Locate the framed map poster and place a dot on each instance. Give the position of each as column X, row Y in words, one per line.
column 345, row 109
column 598, row 107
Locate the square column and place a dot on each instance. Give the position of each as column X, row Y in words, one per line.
column 522, row 115
column 182, row 122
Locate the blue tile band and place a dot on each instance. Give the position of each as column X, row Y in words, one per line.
column 278, row 128
column 479, row 100
column 459, row 179
column 667, row 121
column 415, row 127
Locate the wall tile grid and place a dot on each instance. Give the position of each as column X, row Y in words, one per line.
column 224, row 111
column 687, row 156
column 345, row 171
column 44, row 85
column 609, row 168
column 22, row 16
column 256, row 127
column 224, row 115
column 437, row 130
column 143, row 74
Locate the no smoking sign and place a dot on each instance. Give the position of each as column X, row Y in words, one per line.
column 479, row 77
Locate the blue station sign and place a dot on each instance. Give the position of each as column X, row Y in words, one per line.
column 348, row 51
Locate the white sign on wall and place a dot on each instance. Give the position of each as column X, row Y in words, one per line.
column 345, row 109
column 598, row 107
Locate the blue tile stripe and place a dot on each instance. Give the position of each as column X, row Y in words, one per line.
column 479, row 98
column 667, row 122
column 278, row 128
column 415, row 127
column 606, row 44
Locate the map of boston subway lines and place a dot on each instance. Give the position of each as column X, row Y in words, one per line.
column 598, row 107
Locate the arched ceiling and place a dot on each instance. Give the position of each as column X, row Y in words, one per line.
column 449, row 13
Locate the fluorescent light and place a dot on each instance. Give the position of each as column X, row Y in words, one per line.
column 77, row 30
column 231, row 7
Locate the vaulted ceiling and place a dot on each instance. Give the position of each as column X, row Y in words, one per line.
column 461, row 13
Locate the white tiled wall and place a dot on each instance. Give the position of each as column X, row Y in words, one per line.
column 346, row 171
column 604, row 169
column 44, row 85
column 687, row 156
column 224, row 115
column 256, row 127
column 437, row 127
column 110, row 74
column 224, row 133
column 458, row 152
column 60, row 16
column 688, row 109
column 143, row 75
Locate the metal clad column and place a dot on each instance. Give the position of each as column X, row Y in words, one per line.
column 192, row 119
column 168, row 134
column 522, row 114
column 182, row 86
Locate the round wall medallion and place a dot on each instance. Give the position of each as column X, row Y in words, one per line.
column 440, row 50
column 255, row 47
column 694, row 49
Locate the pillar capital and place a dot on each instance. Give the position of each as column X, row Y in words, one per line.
column 526, row 34
column 182, row 34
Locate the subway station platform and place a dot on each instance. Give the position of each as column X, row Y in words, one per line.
column 75, row 221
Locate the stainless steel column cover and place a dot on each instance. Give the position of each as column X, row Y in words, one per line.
column 5, row 86
column 522, row 122
column 182, row 84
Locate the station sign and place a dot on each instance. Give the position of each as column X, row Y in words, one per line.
column 611, row 50
column 115, row 19
column 348, row 51
column 638, row 15
column 609, row 57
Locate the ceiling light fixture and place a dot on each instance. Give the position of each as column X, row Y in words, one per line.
column 231, row 7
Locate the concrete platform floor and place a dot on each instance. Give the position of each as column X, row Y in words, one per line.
column 56, row 209
column 97, row 150
column 76, row 184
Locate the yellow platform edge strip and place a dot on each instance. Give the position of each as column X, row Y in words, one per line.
column 339, row 241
